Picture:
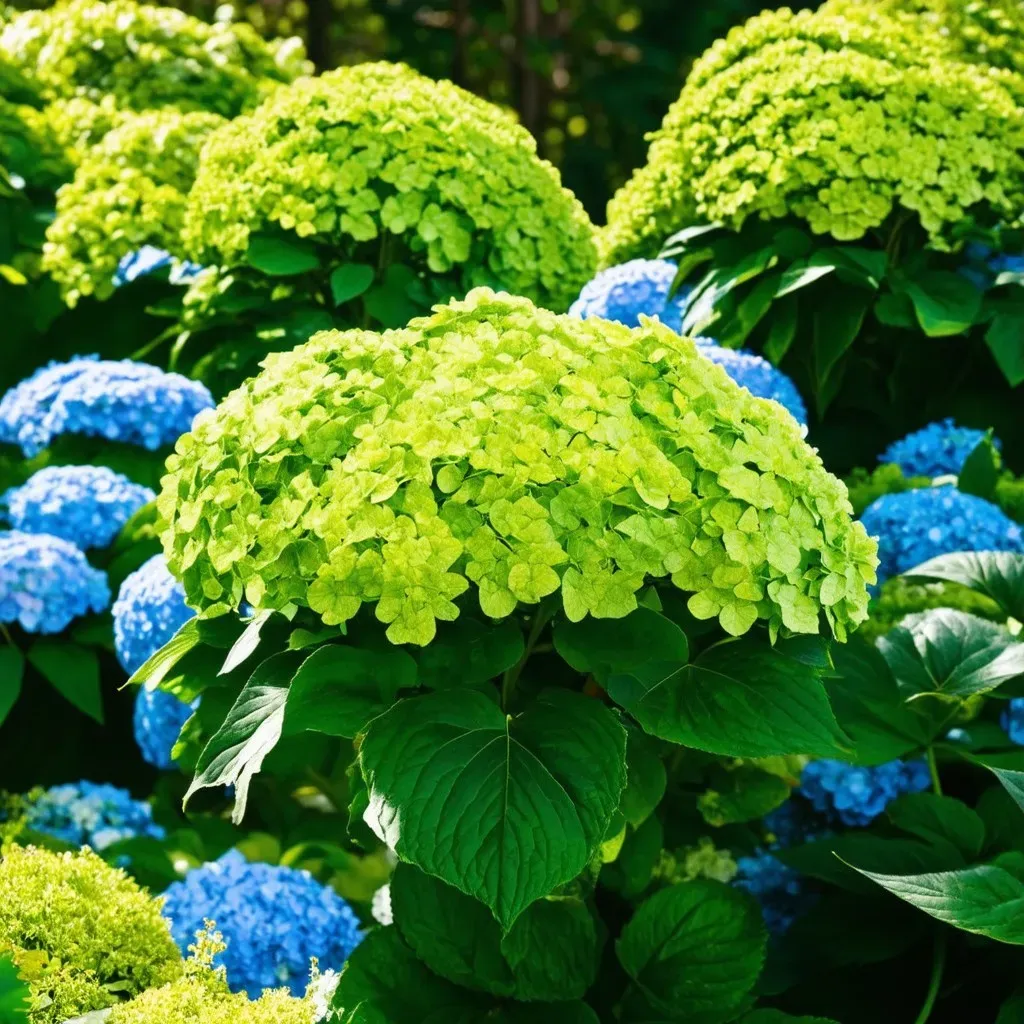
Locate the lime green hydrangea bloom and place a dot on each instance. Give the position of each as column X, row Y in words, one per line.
column 837, row 120
column 29, row 148
column 77, row 123
column 503, row 447
column 128, row 191
column 82, row 934
column 385, row 166
column 147, row 56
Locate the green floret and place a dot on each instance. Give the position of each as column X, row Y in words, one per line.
column 190, row 1001
column 385, row 166
column 147, row 57
column 82, row 934
column 839, row 120
column 128, row 191
column 499, row 445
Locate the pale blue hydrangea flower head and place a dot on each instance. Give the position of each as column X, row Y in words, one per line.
column 856, row 795
column 939, row 449
column 122, row 400
column 622, row 293
column 91, row 814
column 273, row 919
column 914, row 526
column 157, row 723
column 46, row 582
column 86, row 505
column 150, row 259
column 758, row 376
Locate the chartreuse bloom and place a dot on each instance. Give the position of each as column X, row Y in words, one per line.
column 147, row 56
column 128, row 191
column 82, row 933
column 384, row 166
column 838, row 120
column 498, row 448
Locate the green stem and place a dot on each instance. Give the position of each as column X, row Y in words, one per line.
column 938, row 966
column 933, row 770
column 511, row 676
column 7, row 636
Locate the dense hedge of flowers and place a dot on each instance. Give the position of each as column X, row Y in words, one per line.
column 381, row 164
column 838, row 120
column 573, row 490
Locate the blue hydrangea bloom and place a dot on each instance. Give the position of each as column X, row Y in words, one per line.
column 150, row 608
column 940, row 449
column 758, row 376
column 1012, row 720
column 622, row 293
column 91, row 814
column 793, row 823
column 776, row 886
column 134, row 403
column 46, row 582
column 86, row 505
column 157, row 722
column 982, row 266
column 148, row 260
column 273, row 919
column 856, row 795
column 914, row 526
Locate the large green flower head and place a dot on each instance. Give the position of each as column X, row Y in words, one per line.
column 29, row 148
column 839, row 120
column 987, row 31
column 146, row 56
column 380, row 165
column 82, row 933
column 498, row 453
column 128, row 191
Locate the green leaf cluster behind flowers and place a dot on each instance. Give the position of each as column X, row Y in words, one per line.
column 147, row 56
column 128, row 191
column 498, row 445
column 81, row 933
column 837, row 119
column 385, row 166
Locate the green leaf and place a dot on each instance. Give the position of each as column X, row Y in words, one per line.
column 384, row 983
column 349, row 281
column 551, row 952
column 981, row 469
column 12, row 670
column 938, row 820
column 985, row 900
column 741, row 698
column 220, row 632
column 778, row 1017
column 503, row 808
column 998, row 575
column 338, row 690
column 741, row 794
column 1012, row 1011
column 703, row 302
column 281, row 255
column 837, row 322
column 945, row 302
column 896, row 311
column 800, row 275
column 695, row 950
column 749, row 312
column 1005, row 340
column 235, row 753
column 73, row 671
column 782, row 332
column 14, row 994
column 854, row 265
column 950, row 652
column 1013, row 783
column 602, row 647
column 245, row 646
column 645, row 778
column 631, row 872
column 468, row 652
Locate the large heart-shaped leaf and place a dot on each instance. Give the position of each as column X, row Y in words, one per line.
column 504, row 809
column 996, row 574
column 742, row 698
column 945, row 302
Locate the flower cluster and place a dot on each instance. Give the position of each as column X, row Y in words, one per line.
column 777, row 887
column 836, row 119
column 90, row 814
column 102, row 937
column 629, row 290
column 147, row 56
column 855, row 795
column 46, row 582
column 1012, row 720
column 758, row 376
column 530, row 454
column 914, row 526
column 134, row 403
column 157, row 723
column 128, row 191
column 939, row 449
column 86, row 505
column 148, row 260
column 385, row 166
column 31, row 154
column 273, row 919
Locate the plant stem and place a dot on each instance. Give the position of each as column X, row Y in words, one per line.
column 5, row 632
column 938, row 965
column 508, row 682
column 933, row 770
